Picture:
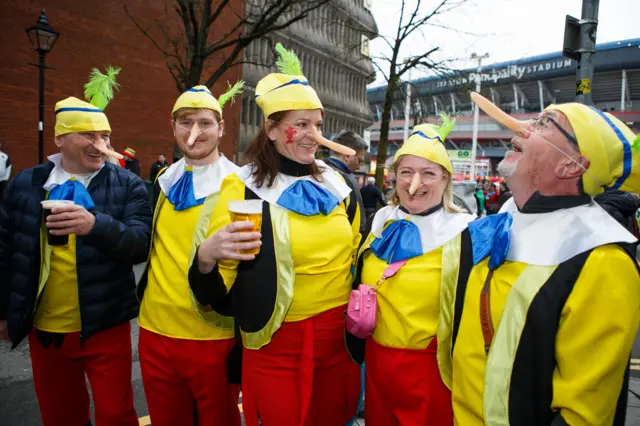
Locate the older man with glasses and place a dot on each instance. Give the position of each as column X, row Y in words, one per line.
column 548, row 300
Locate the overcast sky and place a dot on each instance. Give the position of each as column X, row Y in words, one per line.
column 506, row 29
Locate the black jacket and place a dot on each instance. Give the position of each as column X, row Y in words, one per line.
column 621, row 206
column 155, row 169
column 133, row 166
column 119, row 239
column 371, row 196
column 350, row 180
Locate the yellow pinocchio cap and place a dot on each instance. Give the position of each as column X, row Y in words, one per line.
column 201, row 97
column 283, row 92
column 427, row 141
column 198, row 97
column 74, row 115
column 287, row 90
column 608, row 144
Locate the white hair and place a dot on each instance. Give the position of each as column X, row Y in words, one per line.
column 371, row 181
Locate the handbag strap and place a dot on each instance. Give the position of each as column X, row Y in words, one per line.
column 391, row 270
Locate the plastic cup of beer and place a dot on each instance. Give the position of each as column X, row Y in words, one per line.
column 47, row 205
column 247, row 211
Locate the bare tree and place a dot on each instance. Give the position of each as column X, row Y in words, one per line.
column 393, row 68
column 194, row 48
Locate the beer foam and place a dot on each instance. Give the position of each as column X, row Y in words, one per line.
column 246, row 206
column 50, row 204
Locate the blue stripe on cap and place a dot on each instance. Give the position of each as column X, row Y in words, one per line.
column 200, row 90
column 626, row 149
column 419, row 133
column 296, row 81
column 78, row 109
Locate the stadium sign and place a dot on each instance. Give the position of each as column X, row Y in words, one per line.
column 512, row 72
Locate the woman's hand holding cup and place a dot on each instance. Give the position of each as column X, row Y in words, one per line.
column 227, row 244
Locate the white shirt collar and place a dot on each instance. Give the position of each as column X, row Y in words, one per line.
column 58, row 175
column 206, row 179
column 436, row 229
column 548, row 239
column 330, row 181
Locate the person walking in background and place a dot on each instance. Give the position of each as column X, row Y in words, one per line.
column 130, row 162
column 67, row 275
column 346, row 165
column 5, row 171
column 505, row 194
column 156, row 167
column 371, row 198
column 480, row 200
column 183, row 346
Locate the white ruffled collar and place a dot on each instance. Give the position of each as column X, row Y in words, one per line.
column 58, row 175
column 206, row 179
column 548, row 239
column 436, row 229
column 330, row 181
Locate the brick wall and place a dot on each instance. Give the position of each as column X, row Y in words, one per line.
column 94, row 33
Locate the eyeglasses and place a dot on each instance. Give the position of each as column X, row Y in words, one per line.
column 425, row 178
column 542, row 123
column 204, row 126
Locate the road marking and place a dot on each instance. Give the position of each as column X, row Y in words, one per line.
column 635, row 367
column 635, row 360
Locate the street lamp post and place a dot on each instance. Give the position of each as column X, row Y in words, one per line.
column 43, row 37
column 476, row 115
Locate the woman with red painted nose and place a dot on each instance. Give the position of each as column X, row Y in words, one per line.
column 288, row 299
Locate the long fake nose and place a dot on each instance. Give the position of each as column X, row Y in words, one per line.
column 340, row 149
column 493, row 111
column 195, row 132
column 416, row 183
column 101, row 146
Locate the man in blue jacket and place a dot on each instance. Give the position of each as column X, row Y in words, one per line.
column 74, row 298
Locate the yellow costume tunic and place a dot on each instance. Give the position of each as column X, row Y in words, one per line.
column 59, row 307
column 167, row 306
column 563, row 331
column 409, row 302
column 322, row 250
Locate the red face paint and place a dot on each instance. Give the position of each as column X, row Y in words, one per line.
column 290, row 132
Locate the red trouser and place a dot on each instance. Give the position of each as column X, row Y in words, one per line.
column 403, row 387
column 303, row 377
column 59, row 378
column 180, row 375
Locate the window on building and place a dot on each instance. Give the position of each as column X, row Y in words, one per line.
column 364, row 45
column 258, row 115
column 250, row 111
column 245, row 110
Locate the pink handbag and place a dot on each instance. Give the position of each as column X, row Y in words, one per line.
column 362, row 310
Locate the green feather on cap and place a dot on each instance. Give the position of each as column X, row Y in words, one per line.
column 288, row 62
column 635, row 144
column 447, row 125
column 230, row 93
column 99, row 90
